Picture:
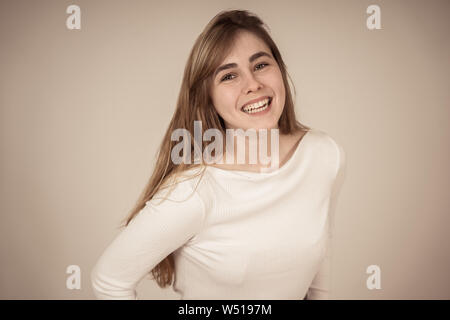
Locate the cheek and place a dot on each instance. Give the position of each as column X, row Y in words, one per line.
column 282, row 90
column 275, row 80
column 280, row 83
column 224, row 101
column 278, row 87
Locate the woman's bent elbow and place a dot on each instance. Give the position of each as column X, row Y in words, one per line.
column 107, row 288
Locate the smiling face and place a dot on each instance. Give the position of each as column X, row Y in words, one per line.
column 246, row 78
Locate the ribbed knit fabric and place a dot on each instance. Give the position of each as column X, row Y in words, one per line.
column 236, row 234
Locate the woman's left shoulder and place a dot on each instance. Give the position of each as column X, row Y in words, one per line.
column 330, row 147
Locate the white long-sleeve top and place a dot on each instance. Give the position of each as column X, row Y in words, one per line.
column 236, row 234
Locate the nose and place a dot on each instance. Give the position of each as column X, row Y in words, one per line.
column 252, row 84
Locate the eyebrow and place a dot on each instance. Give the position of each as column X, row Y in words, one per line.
column 252, row 58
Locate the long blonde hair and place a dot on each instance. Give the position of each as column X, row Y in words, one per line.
column 194, row 104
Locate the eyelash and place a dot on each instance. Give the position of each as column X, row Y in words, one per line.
column 229, row 74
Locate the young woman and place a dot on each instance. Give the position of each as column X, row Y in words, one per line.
column 232, row 230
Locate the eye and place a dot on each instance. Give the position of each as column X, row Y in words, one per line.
column 259, row 66
column 263, row 64
column 227, row 77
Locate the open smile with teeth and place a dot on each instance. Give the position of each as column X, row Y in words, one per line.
column 257, row 106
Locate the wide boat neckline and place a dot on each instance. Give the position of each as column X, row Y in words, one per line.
column 285, row 166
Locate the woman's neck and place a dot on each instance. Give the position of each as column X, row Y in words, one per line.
column 278, row 150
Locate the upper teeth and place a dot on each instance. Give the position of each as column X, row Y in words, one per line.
column 256, row 105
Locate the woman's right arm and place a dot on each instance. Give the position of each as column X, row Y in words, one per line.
column 156, row 231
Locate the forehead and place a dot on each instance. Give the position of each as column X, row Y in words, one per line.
column 245, row 44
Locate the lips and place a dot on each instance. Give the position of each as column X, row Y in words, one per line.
column 256, row 100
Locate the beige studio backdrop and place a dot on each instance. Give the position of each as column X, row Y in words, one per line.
column 83, row 112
